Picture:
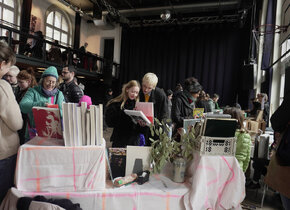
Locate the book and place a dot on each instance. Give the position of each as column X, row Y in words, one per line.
column 147, row 108
column 189, row 123
column 198, row 112
column 66, row 132
column 137, row 116
column 83, row 119
column 47, row 122
column 93, row 125
column 117, row 161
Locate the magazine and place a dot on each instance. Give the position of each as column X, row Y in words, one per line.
column 147, row 108
column 137, row 116
column 47, row 122
column 198, row 112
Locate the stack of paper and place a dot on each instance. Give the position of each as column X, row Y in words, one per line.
column 81, row 125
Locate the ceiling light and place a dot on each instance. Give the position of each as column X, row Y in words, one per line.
column 165, row 15
column 81, row 77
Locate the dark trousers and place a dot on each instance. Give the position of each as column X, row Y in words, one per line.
column 7, row 170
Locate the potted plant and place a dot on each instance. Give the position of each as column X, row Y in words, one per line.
column 165, row 149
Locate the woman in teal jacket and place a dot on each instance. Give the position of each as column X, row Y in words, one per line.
column 42, row 95
column 243, row 144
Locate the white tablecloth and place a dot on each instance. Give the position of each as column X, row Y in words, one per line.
column 217, row 182
column 46, row 165
column 159, row 194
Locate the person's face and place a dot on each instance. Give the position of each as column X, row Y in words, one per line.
column 10, row 77
column 195, row 95
column 215, row 99
column 66, row 74
column 49, row 83
column 4, row 68
column 133, row 92
column 169, row 97
column 146, row 88
column 23, row 84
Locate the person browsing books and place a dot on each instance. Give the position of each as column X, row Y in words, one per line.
column 184, row 101
column 125, row 131
column 10, row 122
column 44, row 94
column 151, row 93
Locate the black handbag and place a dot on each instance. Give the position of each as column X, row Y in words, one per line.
column 283, row 151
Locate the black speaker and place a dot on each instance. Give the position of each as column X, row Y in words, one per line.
column 247, row 77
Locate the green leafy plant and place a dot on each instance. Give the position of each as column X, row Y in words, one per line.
column 165, row 149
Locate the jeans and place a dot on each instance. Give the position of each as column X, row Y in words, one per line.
column 285, row 202
column 7, row 169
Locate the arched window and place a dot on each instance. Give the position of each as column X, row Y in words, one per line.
column 57, row 27
column 7, row 13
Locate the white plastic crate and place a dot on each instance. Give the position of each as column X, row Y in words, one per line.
column 206, row 145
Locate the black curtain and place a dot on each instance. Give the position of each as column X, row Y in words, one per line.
column 212, row 53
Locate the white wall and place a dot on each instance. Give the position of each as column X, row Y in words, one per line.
column 89, row 33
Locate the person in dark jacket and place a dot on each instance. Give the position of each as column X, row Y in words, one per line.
column 125, row 131
column 203, row 102
column 71, row 91
column 184, row 102
column 151, row 93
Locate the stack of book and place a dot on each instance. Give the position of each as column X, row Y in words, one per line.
column 81, row 125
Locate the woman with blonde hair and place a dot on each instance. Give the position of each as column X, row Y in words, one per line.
column 125, row 131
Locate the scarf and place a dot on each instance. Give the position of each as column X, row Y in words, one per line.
column 48, row 93
column 191, row 99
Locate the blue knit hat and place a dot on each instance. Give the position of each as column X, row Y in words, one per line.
column 50, row 71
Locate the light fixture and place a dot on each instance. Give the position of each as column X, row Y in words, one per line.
column 166, row 15
column 81, row 77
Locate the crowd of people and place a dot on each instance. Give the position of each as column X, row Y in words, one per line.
column 20, row 92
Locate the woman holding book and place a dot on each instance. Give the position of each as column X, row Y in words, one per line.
column 42, row 95
column 243, row 147
column 125, row 131
column 10, row 122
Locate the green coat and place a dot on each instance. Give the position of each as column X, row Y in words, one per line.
column 35, row 97
column 243, row 149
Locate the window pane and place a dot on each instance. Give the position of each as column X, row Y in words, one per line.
column 57, row 19
column 48, row 32
column 64, row 38
column 50, row 18
column 8, row 15
column 9, row 3
column 64, row 24
column 56, row 35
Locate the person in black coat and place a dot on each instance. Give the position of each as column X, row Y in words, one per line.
column 184, row 102
column 71, row 91
column 151, row 93
column 125, row 131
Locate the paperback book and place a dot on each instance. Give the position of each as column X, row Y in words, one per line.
column 138, row 116
column 147, row 108
column 198, row 112
column 47, row 122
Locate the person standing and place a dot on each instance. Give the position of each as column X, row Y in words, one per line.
column 71, row 91
column 11, row 77
column 151, row 93
column 25, row 81
column 45, row 93
column 125, row 131
column 10, row 122
column 183, row 103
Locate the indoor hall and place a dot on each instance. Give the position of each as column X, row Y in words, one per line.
column 104, row 73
